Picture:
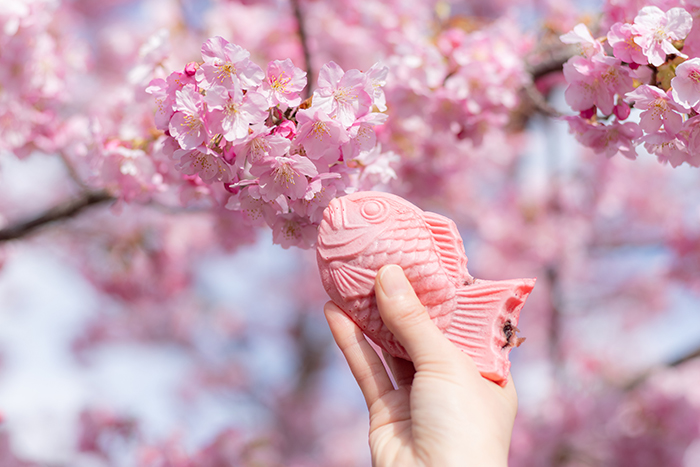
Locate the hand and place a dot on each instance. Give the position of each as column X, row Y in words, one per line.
column 443, row 412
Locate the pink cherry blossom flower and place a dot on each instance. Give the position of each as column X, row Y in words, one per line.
column 658, row 108
column 164, row 108
column 378, row 168
column 582, row 36
column 293, row 230
column 249, row 201
column 128, row 173
column 621, row 38
column 261, row 144
column 283, row 83
column 208, row 166
column 657, row 30
column 606, row 139
column 151, row 55
column 320, row 135
column 362, row 135
column 321, row 189
column 283, row 175
column 164, row 93
column 376, row 80
column 234, row 112
column 691, row 131
column 193, row 192
column 666, row 147
column 227, row 65
column 187, row 124
column 686, row 84
column 594, row 82
column 341, row 94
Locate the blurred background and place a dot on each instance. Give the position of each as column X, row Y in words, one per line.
column 142, row 327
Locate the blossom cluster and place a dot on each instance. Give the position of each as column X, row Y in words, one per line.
column 230, row 123
column 38, row 57
column 638, row 65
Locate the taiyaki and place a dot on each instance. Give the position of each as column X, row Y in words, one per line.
column 364, row 231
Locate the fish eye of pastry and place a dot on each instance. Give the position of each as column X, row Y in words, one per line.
column 373, row 210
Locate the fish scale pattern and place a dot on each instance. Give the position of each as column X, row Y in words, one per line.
column 410, row 245
column 362, row 232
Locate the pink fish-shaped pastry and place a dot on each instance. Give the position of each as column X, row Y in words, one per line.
column 364, row 231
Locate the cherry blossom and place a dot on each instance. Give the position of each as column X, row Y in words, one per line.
column 283, row 175
column 582, row 36
column 622, row 39
column 261, row 144
column 376, row 79
column 658, row 107
column 227, row 64
column 208, row 166
column 187, row 151
column 594, row 82
column 187, row 125
column 362, row 136
column 691, row 131
column 283, row 83
column 342, row 95
column 319, row 134
column 292, row 230
column 321, row 189
column 234, row 112
column 686, row 83
column 607, row 139
column 668, row 148
column 656, row 30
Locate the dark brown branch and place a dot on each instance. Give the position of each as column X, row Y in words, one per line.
column 57, row 213
column 555, row 322
column 539, row 102
column 303, row 38
column 644, row 376
column 685, row 358
column 553, row 64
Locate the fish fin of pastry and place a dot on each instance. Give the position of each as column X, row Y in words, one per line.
column 352, row 281
column 484, row 323
column 450, row 247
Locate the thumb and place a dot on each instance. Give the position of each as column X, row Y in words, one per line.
column 408, row 320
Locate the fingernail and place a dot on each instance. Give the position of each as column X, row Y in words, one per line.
column 393, row 281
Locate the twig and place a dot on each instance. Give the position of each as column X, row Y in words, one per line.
column 641, row 378
column 555, row 323
column 303, row 38
column 57, row 213
column 540, row 102
column 685, row 358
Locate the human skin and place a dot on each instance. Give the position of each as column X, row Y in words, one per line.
column 442, row 412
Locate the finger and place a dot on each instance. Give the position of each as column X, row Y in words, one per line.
column 364, row 363
column 402, row 370
column 407, row 319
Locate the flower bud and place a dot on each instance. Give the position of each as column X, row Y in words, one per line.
column 622, row 111
column 191, row 68
column 286, row 129
column 588, row 113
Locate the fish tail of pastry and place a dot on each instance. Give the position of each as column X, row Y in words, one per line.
column 484, row 323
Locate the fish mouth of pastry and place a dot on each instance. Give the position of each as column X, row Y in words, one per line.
column 334, row 213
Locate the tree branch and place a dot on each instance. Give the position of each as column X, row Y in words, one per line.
column 57, row 213
column 645, row 375
column 685, row 358
column 303, row 38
